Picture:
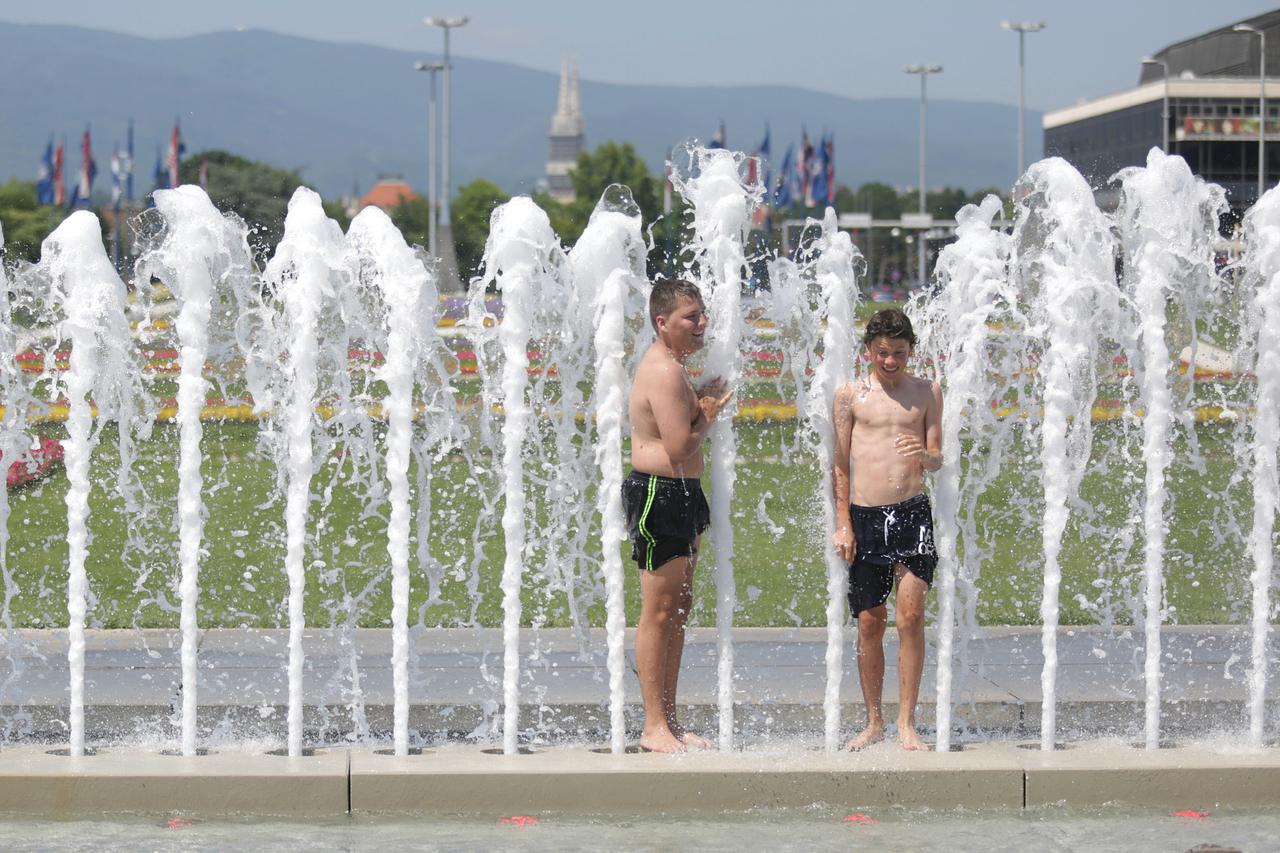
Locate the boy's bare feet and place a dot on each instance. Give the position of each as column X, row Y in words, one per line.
column 695, row 741
column 910, row 740
column 871, row 734
column 661, row 740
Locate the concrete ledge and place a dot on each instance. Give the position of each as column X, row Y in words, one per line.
column 1185, row 777
column 33, row 782
column 579, row 781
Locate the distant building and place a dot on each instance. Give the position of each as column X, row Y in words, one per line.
column 1213, row 95
column 388, row 193
column 566, row 137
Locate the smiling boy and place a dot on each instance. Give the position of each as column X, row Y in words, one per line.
column 888, row 433
column 666, row 510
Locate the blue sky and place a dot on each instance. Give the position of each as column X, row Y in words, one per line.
column 853, row 48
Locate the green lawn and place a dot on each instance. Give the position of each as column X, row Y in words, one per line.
column 777, row 528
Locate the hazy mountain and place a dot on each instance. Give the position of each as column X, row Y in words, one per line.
column 346, row 114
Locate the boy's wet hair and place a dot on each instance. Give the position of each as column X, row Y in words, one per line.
column 889, row 323
column 665, row 296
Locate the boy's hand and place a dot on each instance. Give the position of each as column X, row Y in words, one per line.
column 846, row 547
column 908, row 445
column 713, row 397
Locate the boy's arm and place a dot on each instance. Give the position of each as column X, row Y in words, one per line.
column 931, row 459
column 842, row 420
column 682, row 423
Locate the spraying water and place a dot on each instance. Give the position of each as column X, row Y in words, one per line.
column 521, row 257
column 406, row 290
column 1065, row 263
column 954, row 330
column 722, row 203
column 102, row 373
column 1262, row 330
column 608, row 260
column 204, row 259
column 301, row 273
column 1168, row 218
column 836, row 274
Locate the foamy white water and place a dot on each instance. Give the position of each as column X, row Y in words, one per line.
column 1064, row 260
column 1168, row 220
column 837, row 279
column 203, row 256
column 301, row 273
column 608, row 262
column 92, row 296
column 953, row 328
column 408, row 297
column 1262, row 332
column 516, row 259
column 722, row 206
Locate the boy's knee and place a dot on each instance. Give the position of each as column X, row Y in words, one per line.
column 871, row 622
column 909, row 619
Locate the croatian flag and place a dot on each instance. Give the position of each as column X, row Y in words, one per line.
column 44, row 177
column 117, row 178
column 128, row 165
column 176, row 149
column 758, row 164
column 818, row 188
column 88, row 171
column 59, row 182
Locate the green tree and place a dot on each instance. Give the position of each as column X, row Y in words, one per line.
column 257, row 192
column 25, row 222
column 471, row 211
column 613, row 163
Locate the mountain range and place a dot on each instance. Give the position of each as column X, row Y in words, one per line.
column 347, row 114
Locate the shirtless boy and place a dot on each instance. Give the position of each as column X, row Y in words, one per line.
column 666, row 511
column 888, row 424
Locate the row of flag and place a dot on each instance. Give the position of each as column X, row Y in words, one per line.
column 51, row 185
column 807, row 178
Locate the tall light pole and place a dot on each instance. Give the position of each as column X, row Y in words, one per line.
column 1164, row 107
column 1262, row 103
column 448, row 258
column 432, row 170
column 924, row 71
column 1022, row 28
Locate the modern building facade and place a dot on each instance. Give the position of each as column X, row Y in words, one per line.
column 1213, row 89
column 567, row 140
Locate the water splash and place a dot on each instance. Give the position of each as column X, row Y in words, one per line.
column 712, row 183
column 1262, row 335
column 608, row 261
column 1064, row 260
column 1168, row 219
column 954, row 329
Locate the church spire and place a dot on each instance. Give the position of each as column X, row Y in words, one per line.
column 566, row 137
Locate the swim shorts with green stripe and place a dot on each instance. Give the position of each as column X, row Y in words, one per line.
column 665, row 515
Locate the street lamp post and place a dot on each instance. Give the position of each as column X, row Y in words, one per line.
column 448, row 258
column 1022, row 28
column 1164, row 107
column 432, row 169
column 1262, row 102
column 924, row 71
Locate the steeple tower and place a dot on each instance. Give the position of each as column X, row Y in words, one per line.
column 566, row 137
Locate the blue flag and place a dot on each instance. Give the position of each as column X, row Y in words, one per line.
column 818, row 175
column 128, row 172
column 783, row 197
column 44, row 177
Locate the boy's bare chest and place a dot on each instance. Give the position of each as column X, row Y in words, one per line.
column 875, row 408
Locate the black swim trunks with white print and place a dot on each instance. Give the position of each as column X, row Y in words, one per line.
column 665, row 515
column 886, row 536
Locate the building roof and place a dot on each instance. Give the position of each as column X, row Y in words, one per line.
column 387, row 194
column 1194, row 88
column 1221, row 52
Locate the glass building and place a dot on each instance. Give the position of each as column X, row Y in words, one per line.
column 1213, row 98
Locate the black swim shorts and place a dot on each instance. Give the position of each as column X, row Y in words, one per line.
column 665, row 515
column 886, row 536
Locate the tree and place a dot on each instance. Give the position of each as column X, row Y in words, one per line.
column 471, row 211
column 25, row 222
column 257, row 192
column 612, row 163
